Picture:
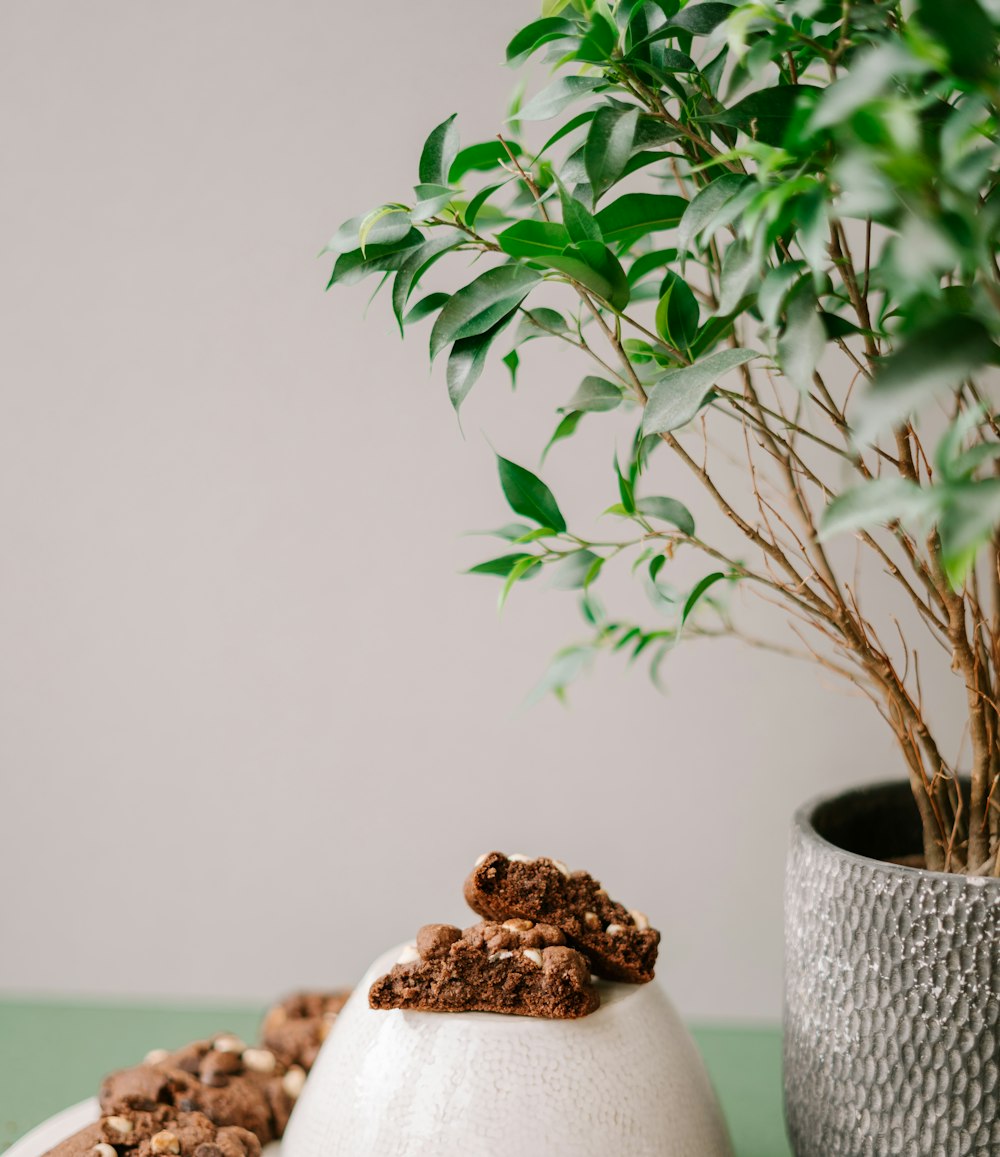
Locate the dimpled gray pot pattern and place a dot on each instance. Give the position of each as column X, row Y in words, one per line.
column 892, row 1002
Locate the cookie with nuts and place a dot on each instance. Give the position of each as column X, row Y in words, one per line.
column 518, row 967
column 161, row 1133
column 295, row 1028
column 231, row 1083
column 618, row 942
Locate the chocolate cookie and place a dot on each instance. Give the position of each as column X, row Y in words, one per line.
column 160, row 1133
column 221, row 1077
column 518, row 967
column 295, row 1028
column 619, row 943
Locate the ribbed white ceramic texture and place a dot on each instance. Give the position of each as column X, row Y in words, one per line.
column 625, row 1081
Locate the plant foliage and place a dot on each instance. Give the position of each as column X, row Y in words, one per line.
column 778, row 218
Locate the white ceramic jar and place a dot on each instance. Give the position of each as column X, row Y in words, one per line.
column 626, row 1080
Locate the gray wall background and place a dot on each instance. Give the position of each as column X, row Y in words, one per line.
column 254, row 723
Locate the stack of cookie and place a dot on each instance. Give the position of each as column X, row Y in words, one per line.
column 214, row 1098
column 547, row 934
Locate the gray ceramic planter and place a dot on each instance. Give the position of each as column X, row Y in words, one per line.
column 892, row 990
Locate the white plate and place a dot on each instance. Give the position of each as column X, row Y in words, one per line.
column 49, row 1133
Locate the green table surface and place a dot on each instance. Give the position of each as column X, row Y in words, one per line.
column 53, row 1054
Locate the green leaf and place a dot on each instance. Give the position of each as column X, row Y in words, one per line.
column 649, row 262
column 577, row 219
column 596, row 268
column 553, row 7
column 478, row 201
column 814, row 229
column 625, row 491
column 522, row 569
column 501, row 566
column 350, row 268
column 774, row 291
column 966, row 33
column 431, row 199
column 969, row 461
column 938, row 357
column 872, row 71
column 565, row 429
column 386, row 230
column 559, row 95
column 667, row 510
column 564, row 131
column 572, row 573
column 534, row 239
column 679, row 394
column 537, row 323
column 875, row 503
column 637, row 214
column 601, row 41
column 468, row 359
column 740, row 272
column 701, row 19
column 803, row 339
column 971, row 512
column 417, row 264
column 510, row 531
column 425, row 306
column 534, row 35
column 766, row 115
column 528, row 495
column 439, row 152
column 595, row 395
column 481, row 158
column 677, row 315
column 481, row 303
column 609, row 147
column 705, row 207
column 695, row 596
column 565, row 668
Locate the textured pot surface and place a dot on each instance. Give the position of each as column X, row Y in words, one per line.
column 892, row 990
column 626, row 1080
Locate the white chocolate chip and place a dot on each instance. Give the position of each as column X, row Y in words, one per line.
column 562, row 868
column 502, row 955
column 409, row 955
column 154, row 1056
column 480, row 860
column 640, row 919
column 294, row 1081
column 120, row 1125
column 165, row 1142
column 520, row 858
column 103, row 1149
column 613, row 929
column 534, row 956
column 229, row 1044
column 259, row 1060
column 591, row 919
column 518, row 925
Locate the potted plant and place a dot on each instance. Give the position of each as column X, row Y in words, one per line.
column 772, row 227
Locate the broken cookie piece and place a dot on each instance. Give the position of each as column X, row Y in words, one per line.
column 619, row 943
column 233, row 1085
column 160, row 1133
column 517, row 967
column 296, row 1027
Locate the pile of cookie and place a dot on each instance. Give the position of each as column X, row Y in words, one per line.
column 213, row 1098
column 547, row 933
